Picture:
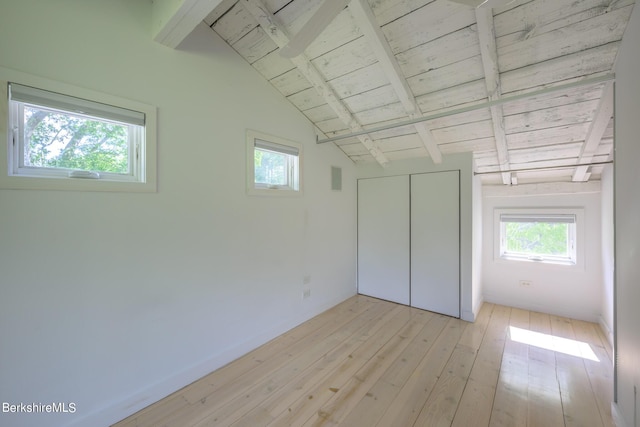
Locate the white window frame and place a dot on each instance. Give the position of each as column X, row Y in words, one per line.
column 293, row 150
column 576, row 251
column 142, row 148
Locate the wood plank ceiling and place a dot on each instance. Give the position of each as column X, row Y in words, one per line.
column 383, row 62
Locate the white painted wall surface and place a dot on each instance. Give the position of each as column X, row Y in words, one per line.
column 463, row 163
column 627, row 226
column 114, row 300
column 477, row 241
column 608, row 272
column 556, row 289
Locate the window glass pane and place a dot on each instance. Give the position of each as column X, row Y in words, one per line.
column 537, row 238
column 271, row 167
column 55, row 139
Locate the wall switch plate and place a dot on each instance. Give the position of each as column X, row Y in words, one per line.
column 526, row 283
column 306, row 294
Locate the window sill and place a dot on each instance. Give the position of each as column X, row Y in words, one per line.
column 17, row 182
column 274, row 192
column 537, row 260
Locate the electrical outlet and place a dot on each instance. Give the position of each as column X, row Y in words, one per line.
column 525, row 283
column 306, row 294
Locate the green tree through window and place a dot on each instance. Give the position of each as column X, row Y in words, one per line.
column 63, row 140
column 538, row 238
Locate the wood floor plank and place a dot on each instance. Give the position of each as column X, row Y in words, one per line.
column 408, row 403
column 578, row 400
column 369, row 362
column 599, row 368
column 440, row 407
column 279, row 378
column 301, row 386
column 477, row 399
column 231, row 372
column 236, row 393
column 376, row 401
column 307, row 407
column 545, row 401
column 510, row 406
column 346, row 399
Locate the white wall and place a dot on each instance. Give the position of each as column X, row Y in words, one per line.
column 463, row 163
column 560, row 290
column 113, row 300
column 606, row 319
column 627, row 226
column 477, row 241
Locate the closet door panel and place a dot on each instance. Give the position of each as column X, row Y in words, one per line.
column 435, row 242
column 383, row 238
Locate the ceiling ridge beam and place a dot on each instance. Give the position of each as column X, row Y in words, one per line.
column 596, row 131
column 279, row 35
column 366, row 19
column 489, row 55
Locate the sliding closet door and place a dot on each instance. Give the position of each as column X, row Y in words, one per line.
column 383, row 238
column 435, row 242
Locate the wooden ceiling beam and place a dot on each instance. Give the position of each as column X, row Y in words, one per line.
column 279, row 35
column 173, row 20
column 594, row 135
column 489, row 53
column 367, row 22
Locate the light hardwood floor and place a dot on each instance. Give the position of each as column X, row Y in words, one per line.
column 368, row 362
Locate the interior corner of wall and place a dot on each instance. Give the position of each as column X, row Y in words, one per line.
column 607, row 330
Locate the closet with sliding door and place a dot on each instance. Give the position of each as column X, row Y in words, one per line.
column 409, row 240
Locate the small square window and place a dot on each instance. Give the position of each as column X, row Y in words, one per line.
column 273, row 164
column 547, row 238
column 64, row 137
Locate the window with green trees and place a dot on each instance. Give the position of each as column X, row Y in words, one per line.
column 55, row 135
column 56, row 139
column 538, row 237
column 273, row 164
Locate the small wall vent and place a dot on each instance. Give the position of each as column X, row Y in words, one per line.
column 336, row 178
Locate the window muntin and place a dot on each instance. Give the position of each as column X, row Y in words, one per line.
column 273, row 164
column 547, row 238
column 57, row 136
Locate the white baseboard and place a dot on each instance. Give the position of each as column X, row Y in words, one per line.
column 608, row 332
column 119, row 410
column 527, row 305
column 471, row 316
column 618, row 419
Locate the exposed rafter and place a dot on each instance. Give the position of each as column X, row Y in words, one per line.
column 174, row 20
column 489, row 52
column 596, row 131
column 366, row 20
column 280, row 37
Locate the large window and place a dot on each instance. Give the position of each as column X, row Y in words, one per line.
column 60, row 141
column 538, row 237
column 273, row 164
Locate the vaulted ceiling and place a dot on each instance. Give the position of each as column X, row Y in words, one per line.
column 527, row 85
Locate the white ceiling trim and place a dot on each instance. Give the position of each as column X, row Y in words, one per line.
column 366, row 20
column 279, row 35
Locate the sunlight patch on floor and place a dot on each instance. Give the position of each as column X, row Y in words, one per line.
column 553, row 343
